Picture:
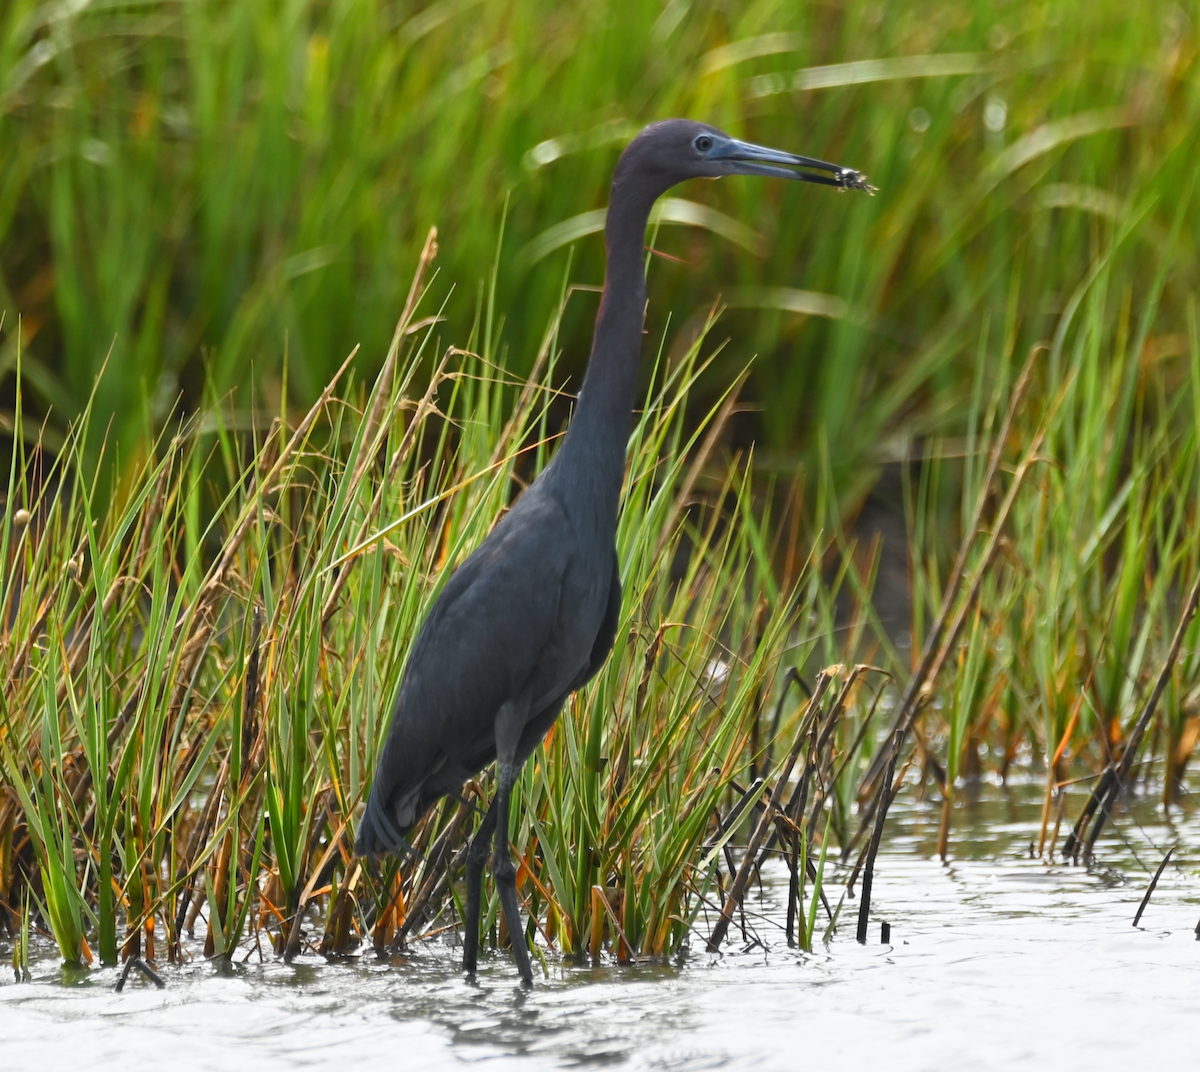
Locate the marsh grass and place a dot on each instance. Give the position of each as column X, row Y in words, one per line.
column 203, row 622
column 197, row 674
column 206, row 189
column 194, row 697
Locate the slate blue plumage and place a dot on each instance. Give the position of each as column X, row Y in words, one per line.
column 531, row 615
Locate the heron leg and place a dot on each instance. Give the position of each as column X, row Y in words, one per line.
column 505, row 872
column 477, row 856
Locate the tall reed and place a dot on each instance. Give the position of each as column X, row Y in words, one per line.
column 196, row 687
column 209, row 189
column 198, row 670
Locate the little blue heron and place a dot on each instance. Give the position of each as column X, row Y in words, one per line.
column 531, row 614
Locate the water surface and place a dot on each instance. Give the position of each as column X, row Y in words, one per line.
column 996, row 961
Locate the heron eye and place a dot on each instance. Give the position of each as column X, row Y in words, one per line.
column 704, row 143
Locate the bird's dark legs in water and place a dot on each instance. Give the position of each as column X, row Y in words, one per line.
column 505, row 872
column 509, row 724
column 477, row 856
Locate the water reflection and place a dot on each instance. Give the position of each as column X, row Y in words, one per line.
column 997, row 960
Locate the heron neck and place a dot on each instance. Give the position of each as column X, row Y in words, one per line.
column 593, row 451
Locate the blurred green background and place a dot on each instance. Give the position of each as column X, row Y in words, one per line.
column 203, row 190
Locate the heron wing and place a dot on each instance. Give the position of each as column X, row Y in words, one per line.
column 482, row 641
column 608, row 627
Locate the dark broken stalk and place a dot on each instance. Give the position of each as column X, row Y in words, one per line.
column 793, row 890
column 914, row 695
column 794, row 809
column 788, row 832
column 1153, row 882
column 789, row 828
column 823, row 742
column 735, row 814
column 960, row 562
column 741, row 906
column 144, row 968
column 935, row 650
column 793, row 834
column 250, row 691
column 741, row 880
column 436, row 874
column 1115, row 775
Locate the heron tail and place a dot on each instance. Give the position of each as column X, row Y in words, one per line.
column 378, row 834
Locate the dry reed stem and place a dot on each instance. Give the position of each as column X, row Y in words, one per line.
column 935, row 651
column 399, row 456
column 814, row 765
column 1153, row 883
column 383, row 381
column 917, row 693
column 1117, row 772
column 249, row 514
column 737, row 888
column 711, row 439
column 960, row 564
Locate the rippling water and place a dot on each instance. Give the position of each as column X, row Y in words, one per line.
column 996, row 961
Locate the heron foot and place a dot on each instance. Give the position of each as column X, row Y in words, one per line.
column 477, row 856
column 505, row 873
column 506, row 886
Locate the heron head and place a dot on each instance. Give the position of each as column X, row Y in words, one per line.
column 677, row 149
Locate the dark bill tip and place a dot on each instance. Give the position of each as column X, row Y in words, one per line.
column 749, row 159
